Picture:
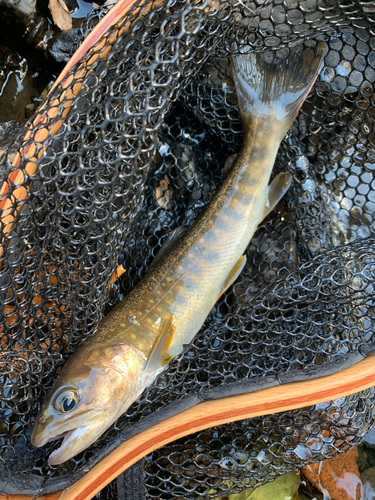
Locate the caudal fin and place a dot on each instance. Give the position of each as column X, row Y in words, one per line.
column 278, row 89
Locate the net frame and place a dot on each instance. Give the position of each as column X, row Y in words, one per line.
column 37, row 154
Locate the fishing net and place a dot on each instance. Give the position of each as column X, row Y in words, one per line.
column 130, row 146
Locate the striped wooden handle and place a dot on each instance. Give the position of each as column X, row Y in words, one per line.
column 208, row 414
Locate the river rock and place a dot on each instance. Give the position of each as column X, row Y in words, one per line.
column 21, row 10
column 61, row 46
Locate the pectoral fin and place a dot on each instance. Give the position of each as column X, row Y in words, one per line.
column 159, row 354
column 276, row 190
column 233, row 275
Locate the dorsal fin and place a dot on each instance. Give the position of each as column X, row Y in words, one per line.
column 228, row 164
column 168, row 244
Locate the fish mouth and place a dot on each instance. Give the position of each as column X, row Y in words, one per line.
column 76, row 436
column 70, row 442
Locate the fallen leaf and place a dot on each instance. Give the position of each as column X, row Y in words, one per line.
column 60, row 14
column 110, row 3
column 117, row 273
column 285, row 487
column 337, row 478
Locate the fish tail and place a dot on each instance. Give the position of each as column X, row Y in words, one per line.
column 278, row 89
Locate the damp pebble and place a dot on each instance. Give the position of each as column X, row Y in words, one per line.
column 163, row 193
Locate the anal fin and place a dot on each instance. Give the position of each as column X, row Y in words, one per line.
column 276, row 190
column 159, row 353
column 233, row 275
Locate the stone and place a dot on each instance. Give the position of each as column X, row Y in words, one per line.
column 60, row 47
column 23, row 10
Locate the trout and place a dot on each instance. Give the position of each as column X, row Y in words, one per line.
column 136, row 340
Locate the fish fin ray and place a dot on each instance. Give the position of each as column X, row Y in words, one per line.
column 278, row 87
column 168, row 244
column 229, row 164
column 234, row 273
column 159, row 351
column 276, row 190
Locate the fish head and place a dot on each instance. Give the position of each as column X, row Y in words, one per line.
column 94, row 388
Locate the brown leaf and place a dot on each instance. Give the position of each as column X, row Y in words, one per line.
column 337, row 478
column 60, row 14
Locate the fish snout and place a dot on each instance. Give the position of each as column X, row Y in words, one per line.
column 38, row 437
column 44, row 430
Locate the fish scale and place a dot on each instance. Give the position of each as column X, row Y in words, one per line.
column 133, row 344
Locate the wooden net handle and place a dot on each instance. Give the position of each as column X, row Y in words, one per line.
column 208, row 414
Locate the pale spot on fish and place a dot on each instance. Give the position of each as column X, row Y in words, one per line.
column 149, row 320
column 133, row 336
column 190, row 265
column 123, row 325
column 216, row 231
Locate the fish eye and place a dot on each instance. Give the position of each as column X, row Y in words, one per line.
column 66, row 401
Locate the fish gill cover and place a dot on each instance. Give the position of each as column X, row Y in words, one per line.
column 132, row 146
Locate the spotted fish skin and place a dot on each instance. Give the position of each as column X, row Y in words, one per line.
column 190, row 278
column 135, row 341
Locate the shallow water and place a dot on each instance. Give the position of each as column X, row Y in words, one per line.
column 22, row 81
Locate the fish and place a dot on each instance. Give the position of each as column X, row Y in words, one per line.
column 138, row 338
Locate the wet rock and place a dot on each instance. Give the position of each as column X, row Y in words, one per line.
column 8, row 132
column 31, row 22
column 61, row 46
column 36, row 31
column 20, row 23
column 23, row 10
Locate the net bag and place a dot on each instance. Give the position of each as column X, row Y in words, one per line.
column 130, row 145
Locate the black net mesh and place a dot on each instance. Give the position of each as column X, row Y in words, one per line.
column 226, row 459
column 130, row 146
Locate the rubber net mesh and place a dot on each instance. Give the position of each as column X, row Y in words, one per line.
column 130, row 146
